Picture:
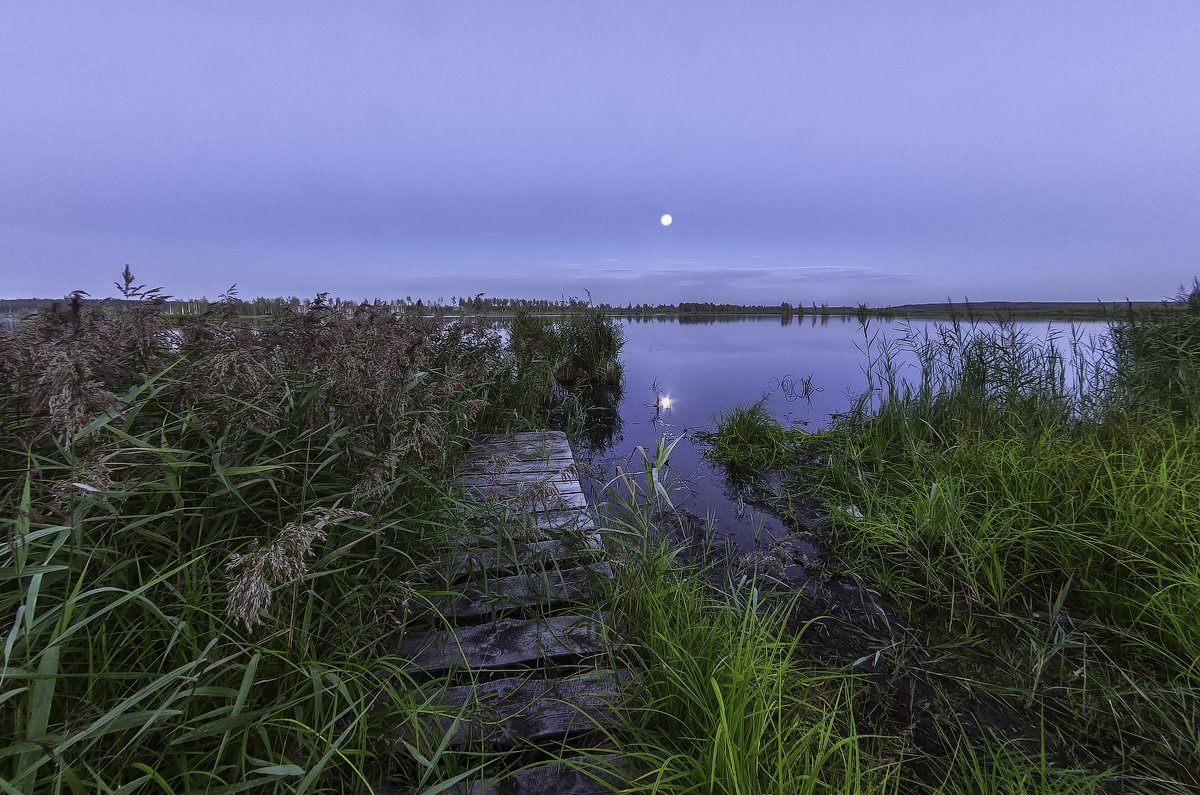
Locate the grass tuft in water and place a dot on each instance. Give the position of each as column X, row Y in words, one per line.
column 748, row 439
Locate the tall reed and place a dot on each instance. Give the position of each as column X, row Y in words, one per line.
column 581, row 348
column 209, row 535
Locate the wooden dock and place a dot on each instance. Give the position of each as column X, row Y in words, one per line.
column 516, row 657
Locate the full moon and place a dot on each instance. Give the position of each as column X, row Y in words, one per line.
column 665, row 220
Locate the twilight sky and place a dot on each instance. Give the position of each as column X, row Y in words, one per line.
column 808, row 151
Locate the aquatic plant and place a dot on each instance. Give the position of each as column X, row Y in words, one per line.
column 748, row 439
column 581, row 348
column 1156, row 367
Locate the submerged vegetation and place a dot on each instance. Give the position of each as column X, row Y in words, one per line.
column 1029, row 511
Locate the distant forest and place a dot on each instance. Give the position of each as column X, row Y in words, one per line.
column 701, row 311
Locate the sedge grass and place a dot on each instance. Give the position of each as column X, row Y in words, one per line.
column 992, row 491
column 748, row 439
column 727, row 703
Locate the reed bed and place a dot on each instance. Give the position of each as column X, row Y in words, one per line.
column 212, row 534
column 580, row 348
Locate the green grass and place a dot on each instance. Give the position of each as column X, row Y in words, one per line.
column 1052, row 521
column 734, row 702
column 210, row 540
column 748, row 439
column 730, row 705
column 728, row 702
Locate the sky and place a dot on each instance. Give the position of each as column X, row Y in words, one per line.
column 838, row 152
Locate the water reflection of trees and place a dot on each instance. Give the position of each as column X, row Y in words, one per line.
column 685, row 320
column 703, row 319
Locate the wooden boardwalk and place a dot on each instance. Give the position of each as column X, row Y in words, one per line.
column 517, row 656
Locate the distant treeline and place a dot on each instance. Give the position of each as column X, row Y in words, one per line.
column 262, row 306
column 696, row 311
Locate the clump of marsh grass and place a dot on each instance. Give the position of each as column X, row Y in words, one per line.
column 581, row 349
column 748, row 439
column 1005, row 483
column 141, row 463
column 592, row 343
column 1156, row 367
column 728, row 703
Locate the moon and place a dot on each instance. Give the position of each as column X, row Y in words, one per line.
column 666, row 219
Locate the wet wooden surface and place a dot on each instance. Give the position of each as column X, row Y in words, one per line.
column 503, row 643
column 507, row 557
column 518, row 710
column 531, row 569
column 548, row 587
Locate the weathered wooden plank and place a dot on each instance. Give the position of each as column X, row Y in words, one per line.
column 561, row 479
column 528, row 451
column 528, row 526
column 504, row 642
column 520, row 436
column 523, row 710
column 501, row 594
column 541, row 499
column 509, row 491
column 485, row 465
column 501, row 466
column 551, row 500
column 505, row 487
column 510, row 557
column 548, row 524
column 575, row 775
column 529, row 443
column 562, row 520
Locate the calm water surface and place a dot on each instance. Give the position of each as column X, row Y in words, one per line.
column 706, row 367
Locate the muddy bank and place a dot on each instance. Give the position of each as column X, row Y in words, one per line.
column 917, row 684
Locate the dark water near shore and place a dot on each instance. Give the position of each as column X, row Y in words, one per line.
column 706, row 367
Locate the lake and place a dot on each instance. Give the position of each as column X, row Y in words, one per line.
column 704, row 367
